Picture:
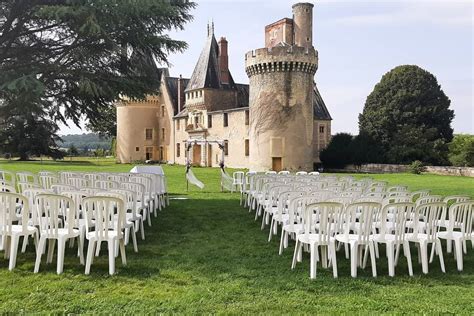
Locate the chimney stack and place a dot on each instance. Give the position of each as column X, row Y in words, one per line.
column 180, row 93
column 223, row 61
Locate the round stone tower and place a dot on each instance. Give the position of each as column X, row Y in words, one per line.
column 281, row 99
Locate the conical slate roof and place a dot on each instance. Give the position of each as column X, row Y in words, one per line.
column 206, row 73
column 320, row 110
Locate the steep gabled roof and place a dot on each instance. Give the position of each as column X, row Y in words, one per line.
column 172, row 86
column 206, row 73
column 320, row 110
column 242, row 95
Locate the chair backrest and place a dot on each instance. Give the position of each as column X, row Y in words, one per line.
column 7, row 177
column 326, row 215
column 396, row 199
column 92, row 177
column 117, row 177
column 344, row 200
column 130, row 200
column 22, row 186
column 361, row 214
column 64, row 175
column 102, row 209
column 31, row 194
column 397, row 188
column 456, row 199
column 461, row 217
column 47, row 173
column 106, row 184
column 238, row 177
column 4, row 187
column 77, row 182
column 429, row 199
column 398, row 214
column 139, row 190
column 270, row 172
column 415, row 195
column 55, row 212
column 301, row 173
column 426, row 218
column 9, row 203
column 47, row 180
column 314, row 173
column 26, row 176
column 77, row 197
column 284, row 172
column 58, row 188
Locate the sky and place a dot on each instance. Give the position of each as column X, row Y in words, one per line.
column 358, row 41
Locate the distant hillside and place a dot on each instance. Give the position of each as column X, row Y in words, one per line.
column 88, row 141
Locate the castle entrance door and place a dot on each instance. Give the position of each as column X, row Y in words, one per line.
column 197, row 155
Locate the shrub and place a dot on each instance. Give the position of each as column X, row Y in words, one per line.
column 417, row 167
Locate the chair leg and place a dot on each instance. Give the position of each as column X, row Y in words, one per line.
column 13, row 251
column 51, row 245
column 142, row 229
column 134, row 239
column 122, row 252
column 332, row 250
column 406, row 251
column 90, row 255
column 458, row 248
column 111, row 246
column 449, row 246
column 424, row 257
column 295, row 255
column 324, row 257
column 372, row 259
column 433, row 250
column 80, row 249
column 25, row 243
column 282, row 238
column 313, row 261
column 440, row 254
column 354, row 252
column 391, row 259
column 39, row 253
column 61, row 249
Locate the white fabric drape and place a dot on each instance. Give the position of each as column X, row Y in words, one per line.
column 226, row 181
column 193, row 180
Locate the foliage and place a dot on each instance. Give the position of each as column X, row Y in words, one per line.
column 85, row 141
column 408, row 115
column 364, row 150
column 337, row 153
column 417, row 167
column 75, row 58
column 193, row 261
column 461, row 150
column 72, row 151
column 104, row 122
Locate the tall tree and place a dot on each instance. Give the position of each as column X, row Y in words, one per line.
column 82, row 55
column 408, row 115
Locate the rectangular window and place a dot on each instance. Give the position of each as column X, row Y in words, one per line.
column 196, row 120
column 137, row 148
column 226, row 119
column 177, row 124
column 178, row 149
column 247, row 147
column 149, row 134
column 149, row 153
column 209, row 121
column 247, row 118
column 321, row 128
column 226, row 148
column 162, row 111
column 163, row 133
column 162, row 154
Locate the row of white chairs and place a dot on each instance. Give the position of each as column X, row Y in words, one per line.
column 311, row 212
column 64, row 212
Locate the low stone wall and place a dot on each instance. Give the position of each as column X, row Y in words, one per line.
column 387, row 168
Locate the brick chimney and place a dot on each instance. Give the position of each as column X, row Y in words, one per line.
column 223, row 61
column 180, row 93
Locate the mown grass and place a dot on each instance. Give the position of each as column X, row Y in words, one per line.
column 206, row 254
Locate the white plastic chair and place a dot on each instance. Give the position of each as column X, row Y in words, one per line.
column 58, row 188
column 459, row 229
column 11, row 232
column 57, row 216
column 327, row 214
column 360, row 215
column 47, row 180
column 77, row 182
column 109, row 219
column 301, row 173
column 238, row 181
column 106, row 184
column 425, row 231
column 26, row 176
column 284, row 172
column 392, row 233
column 132, row 212
column 139, row 190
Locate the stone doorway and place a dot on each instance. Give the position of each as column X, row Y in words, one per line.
column 277, row 164
column 209, row 155
column 197, row 155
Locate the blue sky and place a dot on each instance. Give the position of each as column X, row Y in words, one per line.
column 358, row 41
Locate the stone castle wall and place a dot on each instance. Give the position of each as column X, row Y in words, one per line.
column 281, row 107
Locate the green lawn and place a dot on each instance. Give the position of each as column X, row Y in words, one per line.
column 207, row 255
